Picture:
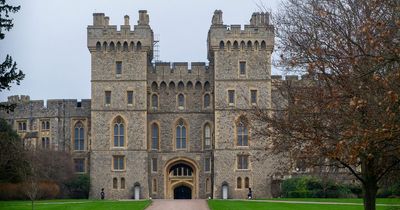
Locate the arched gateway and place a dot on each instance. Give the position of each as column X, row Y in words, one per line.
column 181, row 179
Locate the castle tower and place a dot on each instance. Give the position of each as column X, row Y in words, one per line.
column 242, row 67
column 119, row 62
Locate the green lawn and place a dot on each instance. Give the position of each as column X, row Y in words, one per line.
column 341, row 200
column 75, row 205
column 258, row 205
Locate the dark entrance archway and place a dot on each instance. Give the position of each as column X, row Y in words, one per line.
column 182, row 192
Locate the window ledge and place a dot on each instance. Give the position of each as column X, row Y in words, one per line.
column 181, row 107
column 119, row 148
column 243, row 170
column 114, row 170
column 231, row 104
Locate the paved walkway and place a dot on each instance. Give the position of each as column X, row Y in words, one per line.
column 178, row 205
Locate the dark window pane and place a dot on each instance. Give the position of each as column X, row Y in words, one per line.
column 118, row 67
column 242, row 65
column 231, row 94
column 130, row 97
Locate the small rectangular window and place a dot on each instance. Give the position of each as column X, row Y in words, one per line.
column 243, row 162
column 108, row 97
column 242, row 66
column 253, row 97
column 118, row 67
column 231, row 97
column 154, row 186
column 207, row 164
column 79, row 165
column 119, row 163
column 130, row 97
column 154, row 164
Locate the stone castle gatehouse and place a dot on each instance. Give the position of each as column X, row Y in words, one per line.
column 164, row 130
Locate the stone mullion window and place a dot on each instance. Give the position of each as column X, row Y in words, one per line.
column 79, row 137
column 207, row 136
column 118, row 163
column 243, row 162
column 45, row 143
column 180, row 136
column 119, row 133
column 242, row 135
column 79, row 165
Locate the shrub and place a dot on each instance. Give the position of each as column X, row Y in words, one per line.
column 79, row 186
column 311, row 187
column 390, row 191
column 15, row 191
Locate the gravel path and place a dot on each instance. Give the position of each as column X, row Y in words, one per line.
column 178, row 205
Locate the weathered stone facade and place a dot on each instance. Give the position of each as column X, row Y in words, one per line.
column 165, row 129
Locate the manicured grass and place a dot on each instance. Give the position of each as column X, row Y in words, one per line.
column 259, row 205
column 341, row 200
column 75, row 205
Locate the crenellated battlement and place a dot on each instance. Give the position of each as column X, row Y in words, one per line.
column 177, row 72
column 23, row 102
column 105, row 37
column 256, row 36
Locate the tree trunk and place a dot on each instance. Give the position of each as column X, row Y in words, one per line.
column 370, row 188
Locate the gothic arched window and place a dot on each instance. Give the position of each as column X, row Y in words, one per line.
column 115, row 183
column 119, row 132
column 242, row 134
column 154, row 136
column 239, row 183
column 79, row 137
column 180, row 135
column 246, row 182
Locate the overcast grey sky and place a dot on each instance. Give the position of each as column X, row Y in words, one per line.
column 48, row 40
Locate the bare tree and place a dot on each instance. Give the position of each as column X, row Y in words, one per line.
column 44, row 165
column 347, row 113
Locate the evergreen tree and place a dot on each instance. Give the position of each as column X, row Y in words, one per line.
column 9, row 72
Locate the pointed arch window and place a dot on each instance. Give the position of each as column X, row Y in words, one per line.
column 207, row 136
column 242, row 134
column 119, row 133
column 154, row 136
column 115, row 183
column 180, row 135
column 246, row 182
column 122, row 183
column 79, row 136
column 239, row 183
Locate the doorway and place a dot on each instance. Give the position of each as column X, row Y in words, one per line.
column 182, row 192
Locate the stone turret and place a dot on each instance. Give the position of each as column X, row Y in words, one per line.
column 259, row 19
column 217, row 18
